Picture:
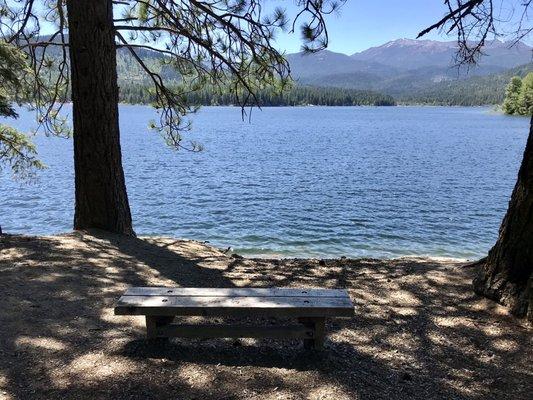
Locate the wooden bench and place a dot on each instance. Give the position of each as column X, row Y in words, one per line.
column 310, row 307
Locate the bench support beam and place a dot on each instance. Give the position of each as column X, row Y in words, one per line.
column 318, row 325
column 153, row 323
column 234, row 331
column 310, row 329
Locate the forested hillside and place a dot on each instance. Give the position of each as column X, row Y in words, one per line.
column 135, row 88
column 476, row 90
column 473, row 91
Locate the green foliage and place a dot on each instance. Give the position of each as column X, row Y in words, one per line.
column 294, row 96
column 525, row 99
column 16, row 149
column 512, row 94
column 472, row 91
column 18, row 152
column 519, row 96
column 11, row 65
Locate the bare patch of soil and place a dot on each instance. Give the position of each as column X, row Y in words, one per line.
column 419, row 332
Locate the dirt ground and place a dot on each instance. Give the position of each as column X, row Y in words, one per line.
column 419, row 332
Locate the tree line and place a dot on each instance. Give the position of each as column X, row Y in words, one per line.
column 138, row 93
column 519, row 96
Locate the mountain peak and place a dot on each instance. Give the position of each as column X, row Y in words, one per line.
column 415, row 53
column 431, row 45
column 401, row 42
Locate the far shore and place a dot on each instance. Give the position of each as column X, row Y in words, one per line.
column 399, row 105
column 495, row 106
column 419, row 331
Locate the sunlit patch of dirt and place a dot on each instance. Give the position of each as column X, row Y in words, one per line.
column 418, row 332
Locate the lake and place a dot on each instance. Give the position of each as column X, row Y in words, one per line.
column 303, row 181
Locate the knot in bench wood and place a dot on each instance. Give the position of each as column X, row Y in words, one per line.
column 310, row 307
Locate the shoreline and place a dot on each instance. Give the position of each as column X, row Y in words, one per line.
column 398, row 105
column 408, row 257
column 228, row 250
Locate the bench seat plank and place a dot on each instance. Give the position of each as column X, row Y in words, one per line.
column 235, row 292
column 235, row 306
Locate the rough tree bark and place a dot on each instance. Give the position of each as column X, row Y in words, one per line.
column 101, row 198
column 506, row 274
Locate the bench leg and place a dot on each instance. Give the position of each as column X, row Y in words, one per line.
column 152, row 322
column 319, row 331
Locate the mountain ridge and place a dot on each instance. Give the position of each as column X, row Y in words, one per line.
column 410, row 53
column 403, row 68
column 407, row 54
column 426, row 44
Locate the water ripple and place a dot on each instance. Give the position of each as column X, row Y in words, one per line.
column 379, row 182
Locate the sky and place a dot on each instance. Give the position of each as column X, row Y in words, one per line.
column 361, row 24
column 366, row 23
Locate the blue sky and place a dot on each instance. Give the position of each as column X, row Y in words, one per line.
column 361, row 24
column 365, row 23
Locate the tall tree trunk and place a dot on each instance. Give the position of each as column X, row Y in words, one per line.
column 101, row 198
column 506, row 274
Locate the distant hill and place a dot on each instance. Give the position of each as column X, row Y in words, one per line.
column 476, row 90
column 407, row 69
column 327, row 63
column 413, row 54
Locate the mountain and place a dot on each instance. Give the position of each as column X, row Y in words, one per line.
column 404, row 68
column 309, row 65
column 407, row 55
column 413, row 54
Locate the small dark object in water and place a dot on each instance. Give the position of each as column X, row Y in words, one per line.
column 0, row 229
column 322, row 262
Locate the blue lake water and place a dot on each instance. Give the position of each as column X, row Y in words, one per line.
column 310, row 181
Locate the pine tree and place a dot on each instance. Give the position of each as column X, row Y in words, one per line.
column 16, row 149
column 525, row 99
column 512, row 93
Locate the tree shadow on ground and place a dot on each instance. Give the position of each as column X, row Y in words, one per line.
column 419, row 331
